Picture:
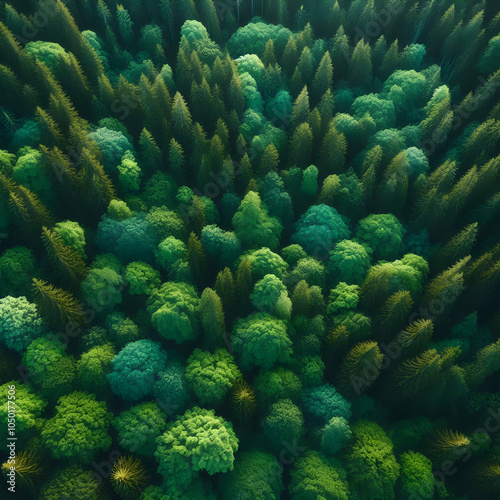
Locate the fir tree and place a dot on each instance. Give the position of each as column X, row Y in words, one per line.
column 58, row 306
column 68, row 262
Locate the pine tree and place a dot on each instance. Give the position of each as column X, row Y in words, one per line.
column 360, row 66
column 197, row 217
column 305, row 38
column 11, row 88
column 58, row 306
column 315, row 124
column 243, row 397
column 26, row 208
column 62, row 257
column 176, row 161
column 150, row 152
column 390, row 61
column 341, row 53
column 306, row 66
column 199, row 148
column 368, row 181
column 323, row 78
column 360, row 367
column 225, row 289
column 61, row 168
column 222, row 132
column 290, row 56
column 196, row 257
column 244, row 174
column 197, row 68
column 378, row 53
column 458, row 247
column 62, row 111
column 394, row 313
column 301, row 299
column 51, row 133
column 182, row 122
column 125, row 25
column 209, row 18
column 456, row 199
column 269, row 161
column 337, row 342
column 268, row 57
column 212, row 319
column 236, row 97
column 75, row 81
column 439, row 117
column 442, row 29
column 393, row 189
column 443, row 291
column 446, row 445
column 482, row 142
column 97, row 188
column 415, row 337
column 325, row 107
column 330, row 190
column 332, row 152
column 414, row 375
column 301, row 110
column 183, row 71
column 211, row 162
column 301, row 146
column 244, row 282
column 167, row 15
column 297, row 82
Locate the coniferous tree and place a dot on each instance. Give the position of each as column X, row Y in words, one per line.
column 458, row 247
column 212, row 319
column 196, row 257
column 125, row 24
column 301, row 110
column 176, row 161
column 341, row 52
column 68, row 262
column 360, row 367
column 151, row 153
column 360, row 66
column 290, row 56
column 301, row 145
column 58, row 306
column 332, row 153
column 394, row 313
column 225, row 289
column 323, row 78
column 181, row 118
column 244, row 282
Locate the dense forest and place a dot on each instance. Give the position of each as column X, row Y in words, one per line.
column 250, row 250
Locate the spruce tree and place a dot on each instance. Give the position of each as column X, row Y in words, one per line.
column 58, row 306
column 212, row 319
column 66, row 261
column 323, row 78
column 360, row 66
column 332, row 152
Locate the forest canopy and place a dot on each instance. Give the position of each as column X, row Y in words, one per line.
column 250, row 250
